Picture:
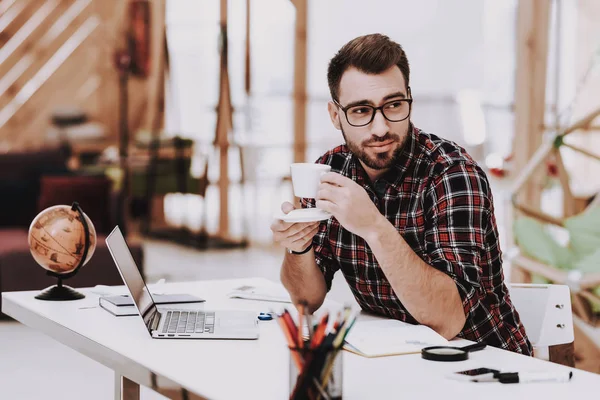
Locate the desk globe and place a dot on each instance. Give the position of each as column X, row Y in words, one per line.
column 61, row 242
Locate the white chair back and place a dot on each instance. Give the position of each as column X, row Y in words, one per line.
column 545, row 312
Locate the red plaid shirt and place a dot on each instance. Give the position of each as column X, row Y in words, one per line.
column 441, row 203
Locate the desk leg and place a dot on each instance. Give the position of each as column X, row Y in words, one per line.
column 126, row 389
column 563, row 354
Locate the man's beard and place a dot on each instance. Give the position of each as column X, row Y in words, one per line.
column 381, row 160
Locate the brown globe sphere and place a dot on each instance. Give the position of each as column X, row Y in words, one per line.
column 57, row 239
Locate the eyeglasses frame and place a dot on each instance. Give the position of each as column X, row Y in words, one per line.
column 375, row 109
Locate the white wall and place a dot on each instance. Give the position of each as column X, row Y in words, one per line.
column 443, row 39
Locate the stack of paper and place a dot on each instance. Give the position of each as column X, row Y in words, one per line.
column 271, row 292
column 390, row 337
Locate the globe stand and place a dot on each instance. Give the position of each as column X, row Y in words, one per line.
column 61, row 292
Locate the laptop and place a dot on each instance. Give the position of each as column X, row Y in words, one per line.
column 173, row 323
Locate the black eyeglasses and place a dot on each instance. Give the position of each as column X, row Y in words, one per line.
column 362, row 115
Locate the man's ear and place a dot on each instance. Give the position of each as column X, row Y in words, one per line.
column 334, row 114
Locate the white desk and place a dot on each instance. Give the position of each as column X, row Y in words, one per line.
column 258, row 369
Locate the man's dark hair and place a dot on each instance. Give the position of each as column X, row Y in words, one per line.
column 371, row 54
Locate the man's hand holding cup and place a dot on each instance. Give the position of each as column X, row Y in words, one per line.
column 297, row 236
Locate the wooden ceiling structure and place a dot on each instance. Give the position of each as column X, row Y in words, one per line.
column 531, row 97
column 57, row 53
column 534, row 138
column 531, row 150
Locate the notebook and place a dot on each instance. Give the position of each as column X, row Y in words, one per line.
column 388, row 337
column 123, row 305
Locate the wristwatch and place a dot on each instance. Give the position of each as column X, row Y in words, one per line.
column 300, row 252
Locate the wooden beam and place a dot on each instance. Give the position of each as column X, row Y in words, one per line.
column 589, row 281
column 592, row 128
column 589, row 296
column 582, row 151
column 595, row 202
column 584, row 122
column 519, row 275
column 29, row 33
column 34, row 56
column 247, row 71
column 156, row 79
column 34, row 117
column 535, row 267
column 48, row 69
column 581, row 307
column 530, row 91
column 6, row 4
column 527, row 171
column 300, row 97
column 112, row 14
column 85, row 93
column 563, row 176
column 11, row 18
column 224, row 127
column 539, row 215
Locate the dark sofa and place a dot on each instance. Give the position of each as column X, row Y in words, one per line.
column 33, row 181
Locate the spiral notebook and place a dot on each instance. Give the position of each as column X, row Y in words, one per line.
column 389, row 337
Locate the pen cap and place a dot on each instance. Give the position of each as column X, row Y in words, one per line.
column 523, row 377
column 508, row 377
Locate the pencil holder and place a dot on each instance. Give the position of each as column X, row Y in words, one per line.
column 316, row 374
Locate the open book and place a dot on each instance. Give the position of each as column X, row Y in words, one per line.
column 378, row 338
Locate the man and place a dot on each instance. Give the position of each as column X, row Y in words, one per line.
column 413, row 228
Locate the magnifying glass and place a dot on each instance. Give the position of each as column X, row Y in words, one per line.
column 449, row 353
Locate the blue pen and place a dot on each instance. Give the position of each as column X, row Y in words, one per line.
column 265, row 316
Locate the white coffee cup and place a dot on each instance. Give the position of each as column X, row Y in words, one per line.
column 306, row 178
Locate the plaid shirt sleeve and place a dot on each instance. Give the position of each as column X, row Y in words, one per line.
column 455, row 237
column 322, row 249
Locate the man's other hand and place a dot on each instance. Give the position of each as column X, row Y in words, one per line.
column 293, row 236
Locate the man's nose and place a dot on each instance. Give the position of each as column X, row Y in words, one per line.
column 379, row 126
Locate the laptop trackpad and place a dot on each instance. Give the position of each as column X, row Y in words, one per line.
column 236, row 319
column 231, row 322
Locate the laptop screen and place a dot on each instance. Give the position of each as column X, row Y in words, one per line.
column 131, row 276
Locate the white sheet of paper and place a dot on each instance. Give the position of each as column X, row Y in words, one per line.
column 274, row 292
column 387, row 337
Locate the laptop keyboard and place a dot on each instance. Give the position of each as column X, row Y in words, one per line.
column 189, row 322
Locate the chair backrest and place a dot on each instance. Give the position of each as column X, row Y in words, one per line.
column 545, row 311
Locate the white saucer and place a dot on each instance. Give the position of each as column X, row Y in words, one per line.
column 304, row 215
